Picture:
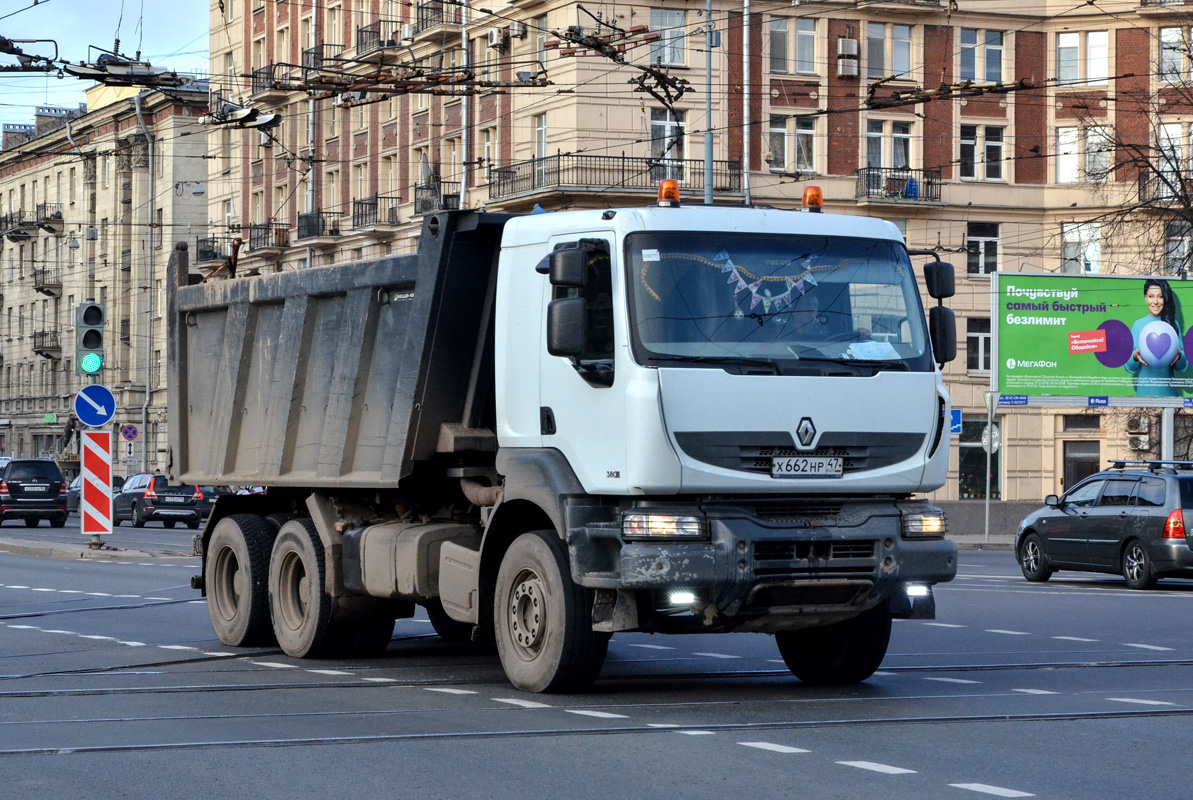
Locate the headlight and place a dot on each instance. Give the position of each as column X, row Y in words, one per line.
column 663, row 526
column 926, row 525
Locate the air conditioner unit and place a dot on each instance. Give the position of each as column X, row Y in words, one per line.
column 407, row 32
column 1138, row 424
column 339, row 100
column 496, row 39
column 847, row 47
column 846, row 67
column 1139, row 442
column 518, row 29
column 264, row 139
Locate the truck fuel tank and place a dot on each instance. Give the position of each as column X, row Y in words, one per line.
column 401, row 559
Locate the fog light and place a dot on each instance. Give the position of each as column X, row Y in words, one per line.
column 681, row 598
column 917, row 590
column 663, row 526
column 929, row 524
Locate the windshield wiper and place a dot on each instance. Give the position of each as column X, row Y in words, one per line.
column 726, row 361
column 874, row 364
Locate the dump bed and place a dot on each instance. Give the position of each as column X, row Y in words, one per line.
column 337, row 376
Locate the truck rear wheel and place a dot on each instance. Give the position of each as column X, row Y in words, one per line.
column 237, row 580
column 844, row 652
column 298, row 604
column 543, row 621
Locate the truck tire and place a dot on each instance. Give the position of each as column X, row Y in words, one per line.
column 841, row 653
column 449, row 630
column 276, row 521
column 298, row 604
column 237, row 581
column 543, row 621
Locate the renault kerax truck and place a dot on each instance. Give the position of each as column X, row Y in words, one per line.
column 547, row 429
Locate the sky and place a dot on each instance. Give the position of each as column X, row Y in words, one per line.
column 169, row 33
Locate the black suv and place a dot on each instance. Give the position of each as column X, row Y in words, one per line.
column 1128, row 519
column 147, row 497
column 32, row 489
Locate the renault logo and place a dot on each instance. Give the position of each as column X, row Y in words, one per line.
column 806, row 431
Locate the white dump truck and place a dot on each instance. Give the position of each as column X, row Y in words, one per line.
column 550, row 428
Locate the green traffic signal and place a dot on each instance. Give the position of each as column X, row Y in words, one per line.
column 89, row 337
column 91, row 363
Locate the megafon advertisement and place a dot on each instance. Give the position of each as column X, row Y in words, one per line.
column 1094, row 336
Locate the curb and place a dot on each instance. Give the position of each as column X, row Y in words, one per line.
column 61, row 550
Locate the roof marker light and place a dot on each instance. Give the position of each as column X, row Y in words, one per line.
column 669, row 193
column 813, row 199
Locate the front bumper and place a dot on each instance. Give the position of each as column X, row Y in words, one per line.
column 760, row 573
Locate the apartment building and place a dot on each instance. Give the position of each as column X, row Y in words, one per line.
column 1008, row 137
column 90, row 200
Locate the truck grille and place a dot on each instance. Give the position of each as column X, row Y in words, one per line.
column 809, row 593
column 790, row 550
column 754, row 451
column 795, row 513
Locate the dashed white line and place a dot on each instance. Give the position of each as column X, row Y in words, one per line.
column 652, row 646
column 25, row 627
column 1073, row 639
column 951, row 680
column 696, row 733
column 513, row 701
column 584, row 712
column 878, row 674
column 217, row 653
column 273, row 664
column 942, row 625
column 380, row 680
column 43, row 590
column 873, row 767
column 997, row 791
column 1008, row 633
column 1033, row 691
column 774, row 748
column 70, row 591
column 1140, row 702
column 97, row 594
column 64, row 633
column 175, row 647
column 159, row 598
column 661, row 725
column 715, row 655
column 196, row 602
column 132, row 644
column 98, row 638
column 15, row 586
column 1146, row 646
column 445, row 690
column 329, row 672
column 127, row 596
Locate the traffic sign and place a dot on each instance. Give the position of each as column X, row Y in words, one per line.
column 955, row 421
column 129, row 432
column 95, row 501
column 95, row 405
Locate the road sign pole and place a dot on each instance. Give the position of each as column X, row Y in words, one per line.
column 95, row 499
column 991, row 402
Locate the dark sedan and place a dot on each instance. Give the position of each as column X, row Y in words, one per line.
column 1129, row 519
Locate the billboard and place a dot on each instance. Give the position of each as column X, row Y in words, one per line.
column 1093, row 336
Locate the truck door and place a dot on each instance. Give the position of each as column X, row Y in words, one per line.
column 582, row 402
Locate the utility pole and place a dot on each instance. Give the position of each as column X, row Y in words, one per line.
column 708, row 45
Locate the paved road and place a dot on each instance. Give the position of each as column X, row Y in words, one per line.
column 112, row 685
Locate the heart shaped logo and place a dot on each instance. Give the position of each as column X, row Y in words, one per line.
column 1158, row 343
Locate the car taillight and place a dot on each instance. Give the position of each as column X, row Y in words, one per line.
column 1174, row 526
column 3, row 487
column 150, row 494
column 62, row 490
column 198, row 493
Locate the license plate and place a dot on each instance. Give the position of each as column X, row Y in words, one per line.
column 169, row 499
column 36, row 488
column 805, row 467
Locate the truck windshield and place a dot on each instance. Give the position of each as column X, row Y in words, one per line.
column 786, row 300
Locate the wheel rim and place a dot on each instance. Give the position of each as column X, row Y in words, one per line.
column 1031, row 557
column 1134, row 563
column 228, row 584
column 527, row 614
column 295, row 593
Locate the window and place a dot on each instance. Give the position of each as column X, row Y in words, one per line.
column 888, row 144
column 1081, row 247
column 875, row 50
column 981, row 55
column 778, row 144
column 990, row 139
column 489, row 139
column 1067, row 57
column 778, row 46
column 1082, row 459
column 1172, row 49
column 540, row 136
column 1178, row 247
column 901, row 144
column 874, row 131
column 1071, row 68
column 669, row 48
column 793, row 154
column 1082, row 422
column 1152, row 492
column 1118, row 492
column 1097, row 56
column 805, row 46
column 1098, row 144
column 1067, row 160
column 805, row 144
column 977, row 344
column 981, row 248
column 541, row 34
column 884, row 40
column 667, row 144
column 598, row 292
column 971, row 463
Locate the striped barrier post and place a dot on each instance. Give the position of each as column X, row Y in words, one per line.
column 95, row 501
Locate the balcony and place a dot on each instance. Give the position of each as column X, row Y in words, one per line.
column 16, row 227
column 49, row 218
column 213, row 248
column 319, row 57
column 48, row 281
column 375, row 212
column 436, row 196
column 623, row 174
column 898, row 184
column 265, row 80
column 434, row 13
column 1157, row 188
column 319, row 227
column 126, row 260
column 264, row 237
column 47, row 344
column 375, row 41
column 1163, row 7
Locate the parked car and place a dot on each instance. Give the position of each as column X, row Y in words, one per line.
column 147, row 498
column 1128, row 519
column 207, row 497
column 32, row 489
column 72, row 494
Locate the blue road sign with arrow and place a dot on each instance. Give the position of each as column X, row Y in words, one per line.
column 95, row 405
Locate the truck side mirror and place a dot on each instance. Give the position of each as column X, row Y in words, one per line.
column 567, row 326
column 942, row 327
column 940, row 280
column 569, row 268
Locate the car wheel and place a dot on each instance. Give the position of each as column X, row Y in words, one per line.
column 31, row 523
column 1137, row 566
column 193, row 524
column 1032, row 559
column 138, row 521
column 58, row 523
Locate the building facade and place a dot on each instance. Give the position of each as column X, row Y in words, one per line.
column 89, row 200
column 1008, row 139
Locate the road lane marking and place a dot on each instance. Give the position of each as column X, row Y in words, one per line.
column 950, row 680
column 584, row 712
column 217, row 653
column 652, row 646
column 132, row 644
column 175, row 647
column 942, row 625
column 25, row 627
column 159, row 598
column 445, row 690
column 65, row 633
column 696, row 733
column 1008, row 633
column 380, row 680
column 774, row 748
column 43, row 590
column 1140, row 702
column 883, row 768
column 97, row 594
column 876, row 674
column 1073, row 639
column 513, row 701
column 70, row 591
column 1146, row 646
column 15, row 586
column 1033, row 691
column 329, row 672
column 98, row 638
column 715, row 655
column 128, row 596
column 997, row 791
column 273, row 664
column 661, row 725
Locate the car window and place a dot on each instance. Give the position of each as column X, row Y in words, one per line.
column 34, row 471
column 1085, row 494
column 1151, row 492
column 1117, row 492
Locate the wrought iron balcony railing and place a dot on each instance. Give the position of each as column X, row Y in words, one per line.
column 48, row 281
column 319, row 223
column 1165, row 187
column 377, row 36
column 266, row 235
column 436, row 196
column 898, row 184
column 582, row 173
column 437, row 12
column 265, row 78
column 213, row 248
column 47, row 342
column 317, row 57
column 378, row 210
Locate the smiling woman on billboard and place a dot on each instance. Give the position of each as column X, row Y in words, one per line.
column 1158, row 352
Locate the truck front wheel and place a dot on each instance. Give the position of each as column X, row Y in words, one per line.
column 298, row 604
column 543, row 621
column 237, row 580
column 841, row 653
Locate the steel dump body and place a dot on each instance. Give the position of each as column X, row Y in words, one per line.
column 337, row 376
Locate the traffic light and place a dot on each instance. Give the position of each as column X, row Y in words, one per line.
column 89, row 337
